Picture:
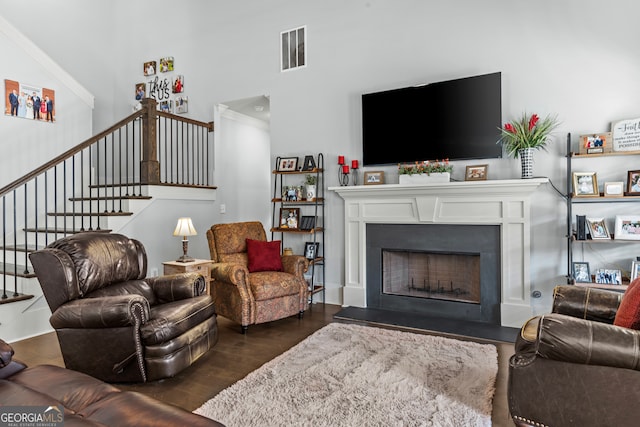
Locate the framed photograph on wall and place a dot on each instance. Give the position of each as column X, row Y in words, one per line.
column 635, row 270
column 633, row 183
column 627, row 227
column 311, row 250
column 374, row 178
column 598, row 229
column 585, row 184
column 581, row 273
column 290, row 218
column 287, row 164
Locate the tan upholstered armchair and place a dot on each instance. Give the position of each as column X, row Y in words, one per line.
column 253, row 297
column 112, row 321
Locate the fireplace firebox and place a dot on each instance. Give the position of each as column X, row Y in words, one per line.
column 444, row 270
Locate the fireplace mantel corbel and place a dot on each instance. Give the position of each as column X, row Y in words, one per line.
column 499, row 202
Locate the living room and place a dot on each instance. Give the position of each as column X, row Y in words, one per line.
column 573, row 59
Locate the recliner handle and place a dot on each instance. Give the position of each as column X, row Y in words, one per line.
column 119, row 367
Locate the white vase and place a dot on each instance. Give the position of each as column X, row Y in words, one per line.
column 423, row 178
column 310, row 191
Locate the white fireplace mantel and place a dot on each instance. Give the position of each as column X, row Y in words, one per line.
column 496, row 202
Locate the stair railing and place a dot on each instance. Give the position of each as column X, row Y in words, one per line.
column 75, row 191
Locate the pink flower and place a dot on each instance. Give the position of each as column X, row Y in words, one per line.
column 509, row 128
column 532, row 121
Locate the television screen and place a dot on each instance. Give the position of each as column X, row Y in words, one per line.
column 456, row 119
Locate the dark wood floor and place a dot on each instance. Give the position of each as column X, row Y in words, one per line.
column 236, row 355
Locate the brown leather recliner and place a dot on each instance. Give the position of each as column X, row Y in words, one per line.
column 114, row 323
column 258, row 297
column 76, row 399
column 574, row 367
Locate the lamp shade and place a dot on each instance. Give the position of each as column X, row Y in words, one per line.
column 185, row 228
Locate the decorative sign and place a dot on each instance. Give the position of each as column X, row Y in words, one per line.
column 626, row 135
column 595, row 143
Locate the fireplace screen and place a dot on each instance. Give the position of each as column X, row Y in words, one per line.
column 444, row 276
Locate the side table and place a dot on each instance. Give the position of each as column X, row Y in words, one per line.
column 202, row 266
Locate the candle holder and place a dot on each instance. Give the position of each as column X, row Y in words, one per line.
column 354, row 176
column 343, row 178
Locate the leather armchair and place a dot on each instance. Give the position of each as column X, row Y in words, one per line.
column 83, row 400
column 573, row 367
column 112, row 321
column 258, row 297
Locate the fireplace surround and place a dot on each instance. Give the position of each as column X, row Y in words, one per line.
column 504, row 203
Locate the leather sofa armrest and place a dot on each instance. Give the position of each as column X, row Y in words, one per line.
column 568, row 339
column 295, row 264
column 586, row 303
column 174, row 287
column 107, row 312
column 236, row 274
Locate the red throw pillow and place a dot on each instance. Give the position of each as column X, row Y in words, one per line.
column 628, row 314
column 264, row 256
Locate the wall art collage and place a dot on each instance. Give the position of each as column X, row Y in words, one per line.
column 164, row 85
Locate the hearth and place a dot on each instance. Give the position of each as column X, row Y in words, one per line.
column 442, row 270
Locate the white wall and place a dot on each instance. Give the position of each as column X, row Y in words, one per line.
column 577, row 59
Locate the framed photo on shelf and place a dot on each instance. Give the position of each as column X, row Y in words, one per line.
column 614, row 189
column 374, row 178
column 607, row 276
column 598, row 229
column 596, row 143
column 627, row 227
column 581, row 273
column 287, row 164
column 635, row 270
column 290, row 218
column 633, row 183
column 476, row 173
column 311, row 250
column 585, row 184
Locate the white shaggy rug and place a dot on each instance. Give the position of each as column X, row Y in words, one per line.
column 352, row 375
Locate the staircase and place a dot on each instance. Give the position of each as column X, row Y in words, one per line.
column 98, row 185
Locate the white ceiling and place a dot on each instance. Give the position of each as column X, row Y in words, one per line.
column 256, row 107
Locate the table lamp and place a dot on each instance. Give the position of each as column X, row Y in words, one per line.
column 185, row 228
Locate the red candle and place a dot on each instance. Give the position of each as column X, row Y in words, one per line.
column 345, row 169
column 341, row 160
column 354, row 164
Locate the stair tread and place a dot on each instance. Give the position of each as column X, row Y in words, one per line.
column 21, row 248
column 15, row 270
column 89, row 213
column 63, row 231
column 14, row 298
column 88, row 199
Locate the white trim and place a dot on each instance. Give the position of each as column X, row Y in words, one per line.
column 45, row 60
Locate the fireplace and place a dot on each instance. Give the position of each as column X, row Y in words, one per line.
column 502, row 204
column 441, row 270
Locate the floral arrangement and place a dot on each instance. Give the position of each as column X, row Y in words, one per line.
column 427, row 167
column 528, row 132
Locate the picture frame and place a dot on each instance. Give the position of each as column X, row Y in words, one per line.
column 309, row 163
column 580, row 272
column 287, row 164
column 627, row 227
column 608, row 276
column 614, row 189
column 585, row 184
column 311, row 250
column 307, row 222
column 290, row 218
column 595, row 143
column 476, row 173
column 598, row 229
column 635, row 270
column 633, row 182
column 374, row 178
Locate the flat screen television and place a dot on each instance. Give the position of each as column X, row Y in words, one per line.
column 455, row 119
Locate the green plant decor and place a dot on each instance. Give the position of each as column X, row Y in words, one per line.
column 310, row 180
column 427, row 167
column 527, row 132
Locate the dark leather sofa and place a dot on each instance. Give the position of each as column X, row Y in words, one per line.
column 83, row 400
column 112, row 321
column 573, row 367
